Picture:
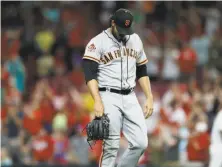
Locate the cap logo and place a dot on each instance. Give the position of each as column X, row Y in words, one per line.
column 127, row 23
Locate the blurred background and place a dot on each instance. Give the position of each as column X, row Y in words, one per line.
column 45, row 104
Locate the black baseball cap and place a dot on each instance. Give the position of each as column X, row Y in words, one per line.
column 123, row 19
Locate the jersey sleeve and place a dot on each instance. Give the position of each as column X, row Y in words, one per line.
column 93, row 51
column 141, row 58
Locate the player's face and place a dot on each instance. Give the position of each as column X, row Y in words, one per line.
column 115, row 31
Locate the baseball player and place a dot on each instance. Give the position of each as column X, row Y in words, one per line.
column 112, row 62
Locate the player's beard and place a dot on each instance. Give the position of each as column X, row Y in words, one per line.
column 119, row 37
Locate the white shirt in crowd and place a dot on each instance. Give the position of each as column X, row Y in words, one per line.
column 178, row 116
column 171, row 69
column 167, row 98
column 154, row 54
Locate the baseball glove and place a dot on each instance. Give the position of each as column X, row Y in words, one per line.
column 98, row 129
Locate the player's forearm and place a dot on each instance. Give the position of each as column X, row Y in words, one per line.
column 145, row 85
column 90, row 70
column 94, row 90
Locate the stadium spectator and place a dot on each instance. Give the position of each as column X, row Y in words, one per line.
column 60, row 121
column 61, row 146
column 79, row 148
column 198, row 143
column 187, row 62
column 200, row 43
column 45, row 38
column 170, row 71
column 5, row 158
column 32, row 119
column 42, row 147
column 154, row 54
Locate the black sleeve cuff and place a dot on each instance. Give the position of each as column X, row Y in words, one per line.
column 90, row 69
column 141, row 71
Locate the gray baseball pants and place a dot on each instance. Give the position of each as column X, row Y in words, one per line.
column 125, row 115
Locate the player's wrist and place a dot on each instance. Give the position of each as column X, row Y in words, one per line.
column 98, row 100
column 149, row 97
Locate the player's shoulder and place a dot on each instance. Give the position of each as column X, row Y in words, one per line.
column 135, row 35
column 135, row 38
column 98, row 38
column 220, row 114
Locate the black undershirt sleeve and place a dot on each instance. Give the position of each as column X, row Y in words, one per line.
column 90, row 69
column 141, row 71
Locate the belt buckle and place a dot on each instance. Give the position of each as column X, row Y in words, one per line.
column 131, row 89
column 107, row 89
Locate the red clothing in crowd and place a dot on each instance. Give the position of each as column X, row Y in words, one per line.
column 75, row 38
column 198, row 146
column 183, row 32
column 4, row 46
column 97, row 151
column 3, row 113
column 163, row 116
column 71, row 119
column 71, row 112
column 47, row 110
column 187, row 60
column 85, row 119
column 144, row 159
column 5, row 75
column 77, row 78
column 33, row 123
column 43, row 148
column 14, row 48
column 187, row 108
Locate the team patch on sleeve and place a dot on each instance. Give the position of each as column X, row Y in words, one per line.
column 91, row 48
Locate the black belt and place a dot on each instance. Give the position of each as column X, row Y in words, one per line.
column 123, row 91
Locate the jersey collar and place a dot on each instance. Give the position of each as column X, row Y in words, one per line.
column 110, row 35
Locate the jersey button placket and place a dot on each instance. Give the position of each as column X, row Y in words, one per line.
column 121, row 57
column 122, row 73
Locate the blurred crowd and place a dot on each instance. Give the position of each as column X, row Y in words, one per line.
column 45, row 104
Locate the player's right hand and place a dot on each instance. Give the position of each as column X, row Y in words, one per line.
column 98, row 109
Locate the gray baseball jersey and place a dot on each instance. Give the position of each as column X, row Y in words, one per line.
column 117, row 69
column 109, row 53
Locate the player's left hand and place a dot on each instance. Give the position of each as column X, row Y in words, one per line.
column 148, row 107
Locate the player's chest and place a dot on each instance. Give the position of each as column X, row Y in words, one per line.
column 114, row 54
